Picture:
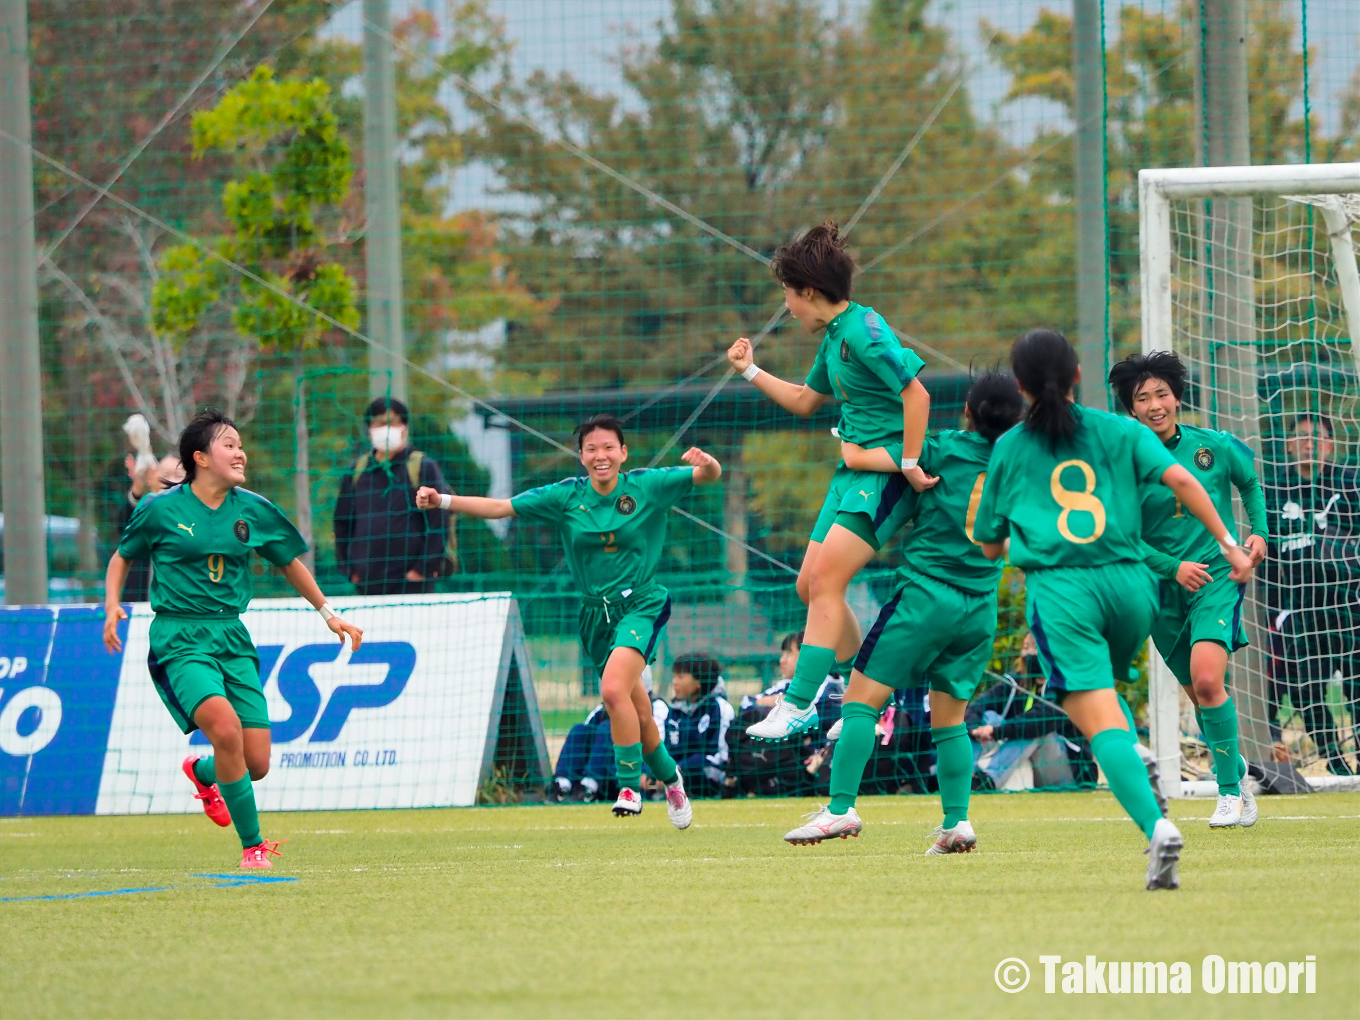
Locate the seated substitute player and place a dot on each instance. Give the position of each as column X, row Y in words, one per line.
column 861, row 363
column 939, row 623
column 613, row 527
column 1066, row 489
column 697, row 724
column 198, row 536
column 1199, row 623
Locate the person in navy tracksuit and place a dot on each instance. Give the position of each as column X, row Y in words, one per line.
column 585, row 765
column 696, row 728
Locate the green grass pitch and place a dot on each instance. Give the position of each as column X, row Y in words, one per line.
column 567, row 911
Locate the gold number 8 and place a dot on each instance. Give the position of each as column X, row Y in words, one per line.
column 1084, row 501
column 217, row 566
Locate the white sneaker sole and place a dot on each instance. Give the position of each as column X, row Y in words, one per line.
column 623, row 812
column 813, row 840
column 940, row 849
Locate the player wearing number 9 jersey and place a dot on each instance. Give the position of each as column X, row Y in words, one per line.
column 1064, row 488
column 199, row 536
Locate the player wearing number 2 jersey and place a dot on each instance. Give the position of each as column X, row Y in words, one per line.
column 613, row 527
column 1065, row 489
column 199, row 536
column 939, row 623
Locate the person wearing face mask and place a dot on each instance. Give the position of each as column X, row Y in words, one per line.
column 1312, row 583
column 384, row 543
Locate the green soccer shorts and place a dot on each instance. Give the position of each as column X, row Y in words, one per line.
column 196, row 658
column 883, row 501
column 1089, row 622
column 1214, row 613
column 635, row 622
column 933, row 631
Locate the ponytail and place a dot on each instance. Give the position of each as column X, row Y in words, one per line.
column 1045, row 365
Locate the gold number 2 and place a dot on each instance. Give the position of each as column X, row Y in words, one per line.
column 974, row 500
column 1084, row 501
column 217, row 566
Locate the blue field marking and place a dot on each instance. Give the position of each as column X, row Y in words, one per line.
column 225, row 881
column 245, row 879
column 83, row 895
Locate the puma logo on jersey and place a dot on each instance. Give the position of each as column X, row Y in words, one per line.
column 636, row 635
column 187, row 527
column 864, row 494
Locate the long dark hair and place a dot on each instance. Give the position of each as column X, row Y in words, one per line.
column 198, row 435
column 1045, row 366
column 995, row 404
column 1127, row 376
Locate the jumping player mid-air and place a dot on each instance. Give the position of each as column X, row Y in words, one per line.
column 613, row 528
column 1200, row 621
column 198, row 536
column 1066, row 489
column 939, row 624
column 862, row 364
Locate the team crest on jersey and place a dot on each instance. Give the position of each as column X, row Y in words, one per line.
column 242, row 531
column 1204, row 458
column 845, row 351
column 625, row 505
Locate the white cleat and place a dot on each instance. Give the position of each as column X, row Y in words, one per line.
column 1249, row 814
column 783, row 721
column 678, row 807
column 1164, row 851
column 835, row 732
column 822, row 824
column 1228, row 814
column 958, row 840
column 629, row 804
column 1154, row 776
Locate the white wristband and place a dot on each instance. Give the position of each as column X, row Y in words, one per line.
column 910, row 462
column 750, row 372
column 1228, row 541
column 327, row 613
column 445, row 501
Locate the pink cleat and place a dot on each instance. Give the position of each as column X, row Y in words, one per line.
column 213, row 804
column 258, row 856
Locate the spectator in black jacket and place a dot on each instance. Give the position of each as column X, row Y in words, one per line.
column 696, row 729
column 1312, row 583
column 585, row 765
column 382, row 542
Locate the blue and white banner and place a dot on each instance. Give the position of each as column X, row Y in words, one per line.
column 409, row 720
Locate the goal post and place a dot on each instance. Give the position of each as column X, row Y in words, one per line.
column 1248, row 273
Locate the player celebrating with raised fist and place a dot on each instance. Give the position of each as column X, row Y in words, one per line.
column 198, row 536
column 613, row 528
column 1199, row 623
column 862, row 364
column 1065, row 489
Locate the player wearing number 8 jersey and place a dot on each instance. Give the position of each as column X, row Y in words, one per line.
column 199, row 536
column 1064, row 488
column 613, row 526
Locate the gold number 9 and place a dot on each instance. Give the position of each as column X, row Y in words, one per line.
column 1084, row 501
column 217, row 566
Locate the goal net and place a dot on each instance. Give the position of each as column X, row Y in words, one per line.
column 1249, row 275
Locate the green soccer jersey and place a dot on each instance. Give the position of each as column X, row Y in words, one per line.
column 1078, row 506
column 863, row 364
column 200, row 556
column 614, row 542
column 942, row 544
column 1218, row 461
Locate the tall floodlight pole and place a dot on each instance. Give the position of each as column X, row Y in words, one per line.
column 21, row 442
column 383, row 206
column 1232, row 268
column 1092, row 257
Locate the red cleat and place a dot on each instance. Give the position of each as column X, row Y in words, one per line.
column 213, row 804
column 258, row 856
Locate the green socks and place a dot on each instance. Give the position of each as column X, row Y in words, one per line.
column 240, row 798
column 954, row 771
column 814, row 663
column 1128, row 716
column 1219, row 725
column 853, row 749
column 1127, row 776
column 204, row 771
column 660, row 763
column 628, row 766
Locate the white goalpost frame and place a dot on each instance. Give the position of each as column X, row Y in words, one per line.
column 1156, row 189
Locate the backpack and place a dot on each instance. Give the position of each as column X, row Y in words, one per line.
column 414, row 460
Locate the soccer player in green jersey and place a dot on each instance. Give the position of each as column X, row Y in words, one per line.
column 1199, row 623
column 861, row 363
column 939, row 623
column 1065, row 488
column 198, row 536
column 613, row 528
